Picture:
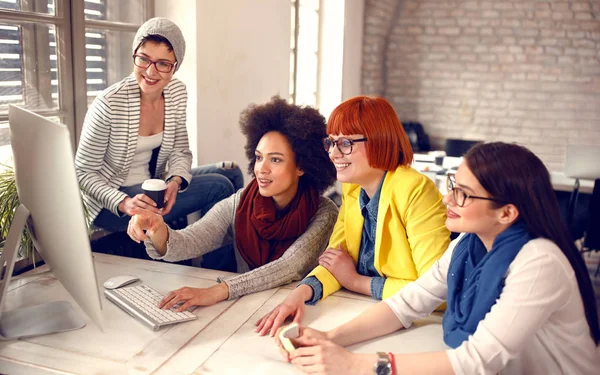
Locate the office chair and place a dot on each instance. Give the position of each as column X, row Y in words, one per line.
column 582, row 163
column 591, row 237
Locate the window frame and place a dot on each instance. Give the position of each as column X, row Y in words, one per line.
column 61, row 21
column 70, row 24
column 296, row 29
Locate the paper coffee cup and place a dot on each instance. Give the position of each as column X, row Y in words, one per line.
column 155, row 190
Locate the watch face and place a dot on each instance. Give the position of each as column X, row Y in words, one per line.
column 384, row 369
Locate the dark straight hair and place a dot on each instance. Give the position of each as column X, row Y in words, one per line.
column 512, row 173
column 155, row 38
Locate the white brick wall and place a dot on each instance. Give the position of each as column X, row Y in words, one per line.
column 524, row 70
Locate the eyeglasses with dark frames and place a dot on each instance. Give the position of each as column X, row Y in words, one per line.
column 459, row 195
column 161, row 65
column 344, row 145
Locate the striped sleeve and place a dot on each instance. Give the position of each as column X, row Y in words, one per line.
column 180, row 159
column 90, row 155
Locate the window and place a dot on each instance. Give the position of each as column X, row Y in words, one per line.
column 317, row 50
column 305, row 51
column 57, row 55
column 110, row 26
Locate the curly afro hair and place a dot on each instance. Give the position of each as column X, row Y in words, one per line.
column 303, row 126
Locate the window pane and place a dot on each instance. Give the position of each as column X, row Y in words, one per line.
column 5, row 151
column 11, row 77
column 28, row 71
column 38, row 6
column 293, row 23
column 310, row 4
column 306, row 79
column 306, row 98
column 130, row 11
column 108, row 59
column 308, row 38
column 307, row 53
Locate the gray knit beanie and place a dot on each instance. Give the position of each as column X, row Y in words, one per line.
column 165, row 28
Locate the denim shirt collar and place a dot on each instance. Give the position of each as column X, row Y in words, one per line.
column 372, row 204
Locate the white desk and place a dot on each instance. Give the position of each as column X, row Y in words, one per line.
column 561, row 182
column 220, row 341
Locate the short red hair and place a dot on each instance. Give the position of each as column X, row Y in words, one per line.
column 387, row 143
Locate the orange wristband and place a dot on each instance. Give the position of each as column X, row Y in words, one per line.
column 392, row 362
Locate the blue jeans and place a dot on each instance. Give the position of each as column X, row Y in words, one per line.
column 209, row 185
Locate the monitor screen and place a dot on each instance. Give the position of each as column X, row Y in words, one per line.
column 48, row 189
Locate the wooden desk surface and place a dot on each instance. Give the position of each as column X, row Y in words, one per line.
column 220, row 341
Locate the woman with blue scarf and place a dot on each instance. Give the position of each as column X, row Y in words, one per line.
column 520, row 300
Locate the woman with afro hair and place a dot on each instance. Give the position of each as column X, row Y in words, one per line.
column 278, row 225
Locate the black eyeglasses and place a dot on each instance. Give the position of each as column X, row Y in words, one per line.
column 144, row 63
column 344, row 145
column 460, row 196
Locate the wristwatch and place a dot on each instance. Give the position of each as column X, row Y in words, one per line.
column 383, row 365
column 172, row 178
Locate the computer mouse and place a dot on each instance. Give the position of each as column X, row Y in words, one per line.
column 119, row 281
column 290, row 332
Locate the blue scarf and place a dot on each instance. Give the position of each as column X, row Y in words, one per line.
column 476, row 278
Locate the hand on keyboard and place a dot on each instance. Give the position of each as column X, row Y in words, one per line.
column 195, row 297
column 142, row 302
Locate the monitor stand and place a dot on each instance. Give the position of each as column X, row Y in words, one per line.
column 52, row 317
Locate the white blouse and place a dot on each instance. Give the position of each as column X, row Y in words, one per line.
column 537, row 326
column 139, row 171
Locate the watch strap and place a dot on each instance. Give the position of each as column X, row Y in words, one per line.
column 172, row 178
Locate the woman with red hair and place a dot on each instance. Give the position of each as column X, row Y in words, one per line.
column 390, row 228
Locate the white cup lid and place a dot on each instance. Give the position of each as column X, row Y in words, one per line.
column 154, row 184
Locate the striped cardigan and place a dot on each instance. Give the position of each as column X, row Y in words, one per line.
column 109, row 139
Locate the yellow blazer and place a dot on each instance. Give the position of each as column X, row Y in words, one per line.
column 410, row 236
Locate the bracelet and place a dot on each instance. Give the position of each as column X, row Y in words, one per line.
column 172, row 178
column 392, row 362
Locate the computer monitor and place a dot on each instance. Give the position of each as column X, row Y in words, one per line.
column 458, row 147
column 51, row 205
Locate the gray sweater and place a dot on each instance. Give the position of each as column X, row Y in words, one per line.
column 217, row 228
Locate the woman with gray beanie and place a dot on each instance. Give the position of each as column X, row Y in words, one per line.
column 136, row 130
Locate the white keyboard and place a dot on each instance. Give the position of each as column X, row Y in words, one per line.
column 141, row 302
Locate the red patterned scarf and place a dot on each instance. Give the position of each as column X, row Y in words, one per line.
column 263, row 234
